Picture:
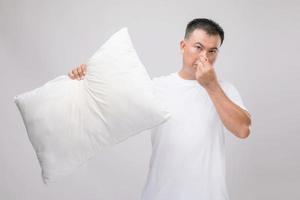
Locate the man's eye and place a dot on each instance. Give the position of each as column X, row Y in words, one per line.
column 198, row 47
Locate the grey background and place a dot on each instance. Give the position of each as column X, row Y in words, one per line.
column 40, row 40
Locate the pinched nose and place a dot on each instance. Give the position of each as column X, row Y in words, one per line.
column 202, row 56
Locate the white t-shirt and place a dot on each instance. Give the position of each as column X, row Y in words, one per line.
column 188, row 155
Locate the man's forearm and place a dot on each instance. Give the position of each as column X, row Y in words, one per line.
column 234, row 118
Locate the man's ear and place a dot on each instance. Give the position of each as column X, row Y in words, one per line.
column 182, row 45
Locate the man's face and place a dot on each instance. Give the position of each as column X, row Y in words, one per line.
column 199, row 44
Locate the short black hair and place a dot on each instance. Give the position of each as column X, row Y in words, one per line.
column 208, row 25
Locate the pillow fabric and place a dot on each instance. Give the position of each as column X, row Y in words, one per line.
column 68, row 121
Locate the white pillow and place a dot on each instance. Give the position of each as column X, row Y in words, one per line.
column 67, row 120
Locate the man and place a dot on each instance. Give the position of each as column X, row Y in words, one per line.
column 188, row 151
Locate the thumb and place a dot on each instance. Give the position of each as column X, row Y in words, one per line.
column 197, row 63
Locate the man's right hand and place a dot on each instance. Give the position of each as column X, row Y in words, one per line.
column 78, row 72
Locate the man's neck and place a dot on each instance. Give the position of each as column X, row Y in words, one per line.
column 187, row 73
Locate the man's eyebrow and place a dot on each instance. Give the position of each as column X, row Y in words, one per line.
column 210, row 48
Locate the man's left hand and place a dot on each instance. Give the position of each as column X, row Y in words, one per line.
column 205, row 73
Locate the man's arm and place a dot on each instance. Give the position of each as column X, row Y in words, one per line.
column 234, row 118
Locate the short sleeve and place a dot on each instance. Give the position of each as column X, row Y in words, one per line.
column 234, row 95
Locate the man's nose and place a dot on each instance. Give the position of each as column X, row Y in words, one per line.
column 203, row 54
